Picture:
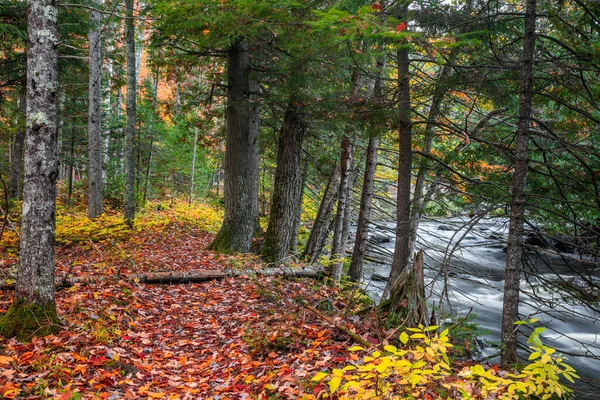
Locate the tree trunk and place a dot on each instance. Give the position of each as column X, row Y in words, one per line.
column 16, row 166
column 95, row 118
column 402, row 250
column 241, row 158
column 337, row 252
column 419, row 200
column 129, row 150
column 298, row 216
column 33, row 311
column 364, row 214
column 320, row 230
column 514, row 253
column 193, row 177
column 366, row 198
column 287, row 184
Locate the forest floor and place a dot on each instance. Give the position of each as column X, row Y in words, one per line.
column 235, row 338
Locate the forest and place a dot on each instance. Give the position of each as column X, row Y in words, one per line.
column 273, row 199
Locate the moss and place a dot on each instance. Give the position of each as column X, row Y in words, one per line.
column 26, row 320
column 223, row 241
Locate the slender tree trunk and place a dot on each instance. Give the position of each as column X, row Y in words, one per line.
column 34, row 308
column 514, row 253
column 298, row 217
column 95, row 118
column 320, row 230
column 286, row 187
column 364, row 214
column 241, row 158
column 337, row 252
column 147, row 183
column 402, row 249
column 70, row 169
column 366, row 198
column 193, row 177
column 16, row 166
column 419, row 200
column 129, row 148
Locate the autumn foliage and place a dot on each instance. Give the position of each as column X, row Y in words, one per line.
column 237, row 338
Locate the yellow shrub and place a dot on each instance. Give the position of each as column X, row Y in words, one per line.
column 422, row 366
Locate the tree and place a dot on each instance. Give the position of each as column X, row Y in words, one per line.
column 287, row 184
column 95, row 118
column 34, row 309
column 129, row 194
column 241, row 156
column 514, row 253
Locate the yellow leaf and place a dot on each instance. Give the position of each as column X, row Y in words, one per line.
column 319, row 376
column 356, row 348
column 334, row 383
column 404, row 337
column 390, row 348
column 534, row 355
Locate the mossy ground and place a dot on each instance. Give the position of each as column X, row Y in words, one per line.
column 26, row 320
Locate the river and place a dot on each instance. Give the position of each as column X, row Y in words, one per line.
column 474, row 253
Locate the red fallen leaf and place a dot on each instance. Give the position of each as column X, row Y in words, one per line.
column 376, row 6
column 495, row 368
column 273, row 354
column 98, row 360
column 129, row 395
column 401, row 26
column 25, row 356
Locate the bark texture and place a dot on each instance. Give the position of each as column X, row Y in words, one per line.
column 321, row 226
column 287, row 184
column 16, row 167
column 355, row 270
column 364, row 214
column 339, row 243
column 128, row 148
column 298, row 217
column 241, row 157
column 402, row 248
column 514, row 253
column 95, row 118
column 34, row 306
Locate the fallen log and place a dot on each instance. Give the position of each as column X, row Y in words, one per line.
column 173, row 277
column 208, row 275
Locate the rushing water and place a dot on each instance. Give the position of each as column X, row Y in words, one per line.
column 474, row 253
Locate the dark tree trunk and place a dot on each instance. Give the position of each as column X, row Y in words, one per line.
column 514, row 253
column 241, row 157
column 34, row 308
column 129, row 148
column 321, row 226
column 337, row 252
column 16, row 167
column 287, row 185
column 364, row 214
column 95, row 119
column 402, row 249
